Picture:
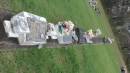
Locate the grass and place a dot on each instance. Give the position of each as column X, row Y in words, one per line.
column 74, row 59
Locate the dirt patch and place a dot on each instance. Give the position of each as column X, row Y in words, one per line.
column 4, row 15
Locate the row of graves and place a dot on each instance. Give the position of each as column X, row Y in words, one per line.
column 30, row 30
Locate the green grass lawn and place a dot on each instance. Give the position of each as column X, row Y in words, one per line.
column 74, row 59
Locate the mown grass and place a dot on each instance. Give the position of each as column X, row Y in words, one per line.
column 75, row 59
